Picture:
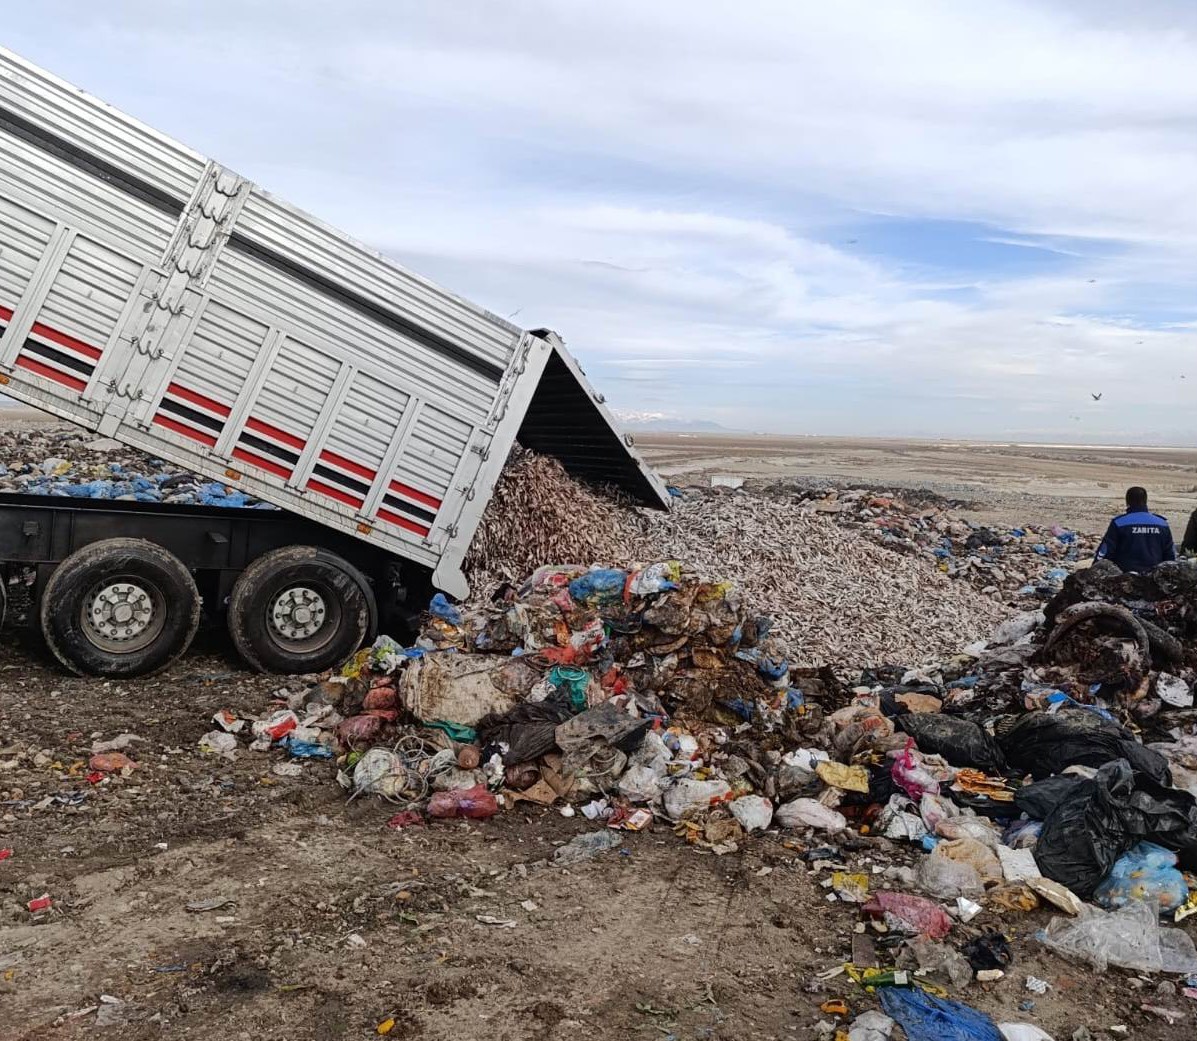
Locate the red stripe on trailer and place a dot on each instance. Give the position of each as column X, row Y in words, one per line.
column 260, row 463
column 290, row 440
column 69, row 342
column 198, row 399
column 186, row 431
column 402, row 522
column 348, row 464
column 46, row 372
column 6, row 314
column 421, row 497
column 334, row 493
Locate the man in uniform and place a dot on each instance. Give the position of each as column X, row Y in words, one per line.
column 1137, row 540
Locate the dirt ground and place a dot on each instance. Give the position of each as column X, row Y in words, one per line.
column 1079, row 487
column 337, row 923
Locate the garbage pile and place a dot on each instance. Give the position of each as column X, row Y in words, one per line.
column 70, row 463
column 942, row 806
column 1019, row 564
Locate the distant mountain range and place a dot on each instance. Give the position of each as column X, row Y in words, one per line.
column 662, row 423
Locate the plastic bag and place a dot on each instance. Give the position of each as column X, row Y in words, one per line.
column 1046, row 743
column 838, row 775
column 908, row 913
column 809, row 813
column 976, row 828
column 970, row 851
column 476, row 803
column 445, row 611
column 871, row 1026
column 947, row 879
column 1018, row 865
column 897, row 822
column 754, row 812
column 380, row 772
column 1129, row 938
column 928, row 1018
column 600, row 586
column 1087, row 832
column 656, row 578
column 910, row 775
column 1147, row 872
column 960, row 742
column 1023, row 1032
column 687, row 795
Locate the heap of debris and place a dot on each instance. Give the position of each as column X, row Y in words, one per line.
column 1013, row 565
column 68, row 462
column 938, row 804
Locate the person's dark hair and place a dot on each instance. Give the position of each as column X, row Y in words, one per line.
column 1136, row 498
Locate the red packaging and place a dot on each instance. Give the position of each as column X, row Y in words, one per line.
column 406, row 819
column 5, row 854
column 476, row 803
column 381, row 697
column 914, row 913
column 41, row 903
column 110, row 762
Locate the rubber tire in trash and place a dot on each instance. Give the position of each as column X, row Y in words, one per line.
column 300, row 609
column 120, row 607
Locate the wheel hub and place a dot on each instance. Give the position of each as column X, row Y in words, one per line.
column 121, row 611
column 298, row 613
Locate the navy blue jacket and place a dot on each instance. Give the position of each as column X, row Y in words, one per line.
column 1137, row 541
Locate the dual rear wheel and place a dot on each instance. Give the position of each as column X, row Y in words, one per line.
column 128, row 607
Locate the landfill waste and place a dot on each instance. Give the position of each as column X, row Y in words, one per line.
column 1130, row 937
column 1147, row 873
column 929, row 1018
column 68, row 462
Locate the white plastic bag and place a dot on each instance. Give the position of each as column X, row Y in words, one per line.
column 687, row 794
column 754, row 812
column 810, row 813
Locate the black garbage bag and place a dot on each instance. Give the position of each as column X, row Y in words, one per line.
column 960, row 742
column 1046, row 743
column 1088, row 830
column 1165, row 816
column 1039, row 799
column 529, row 729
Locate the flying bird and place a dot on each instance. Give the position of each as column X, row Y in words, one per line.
column 1096, row 397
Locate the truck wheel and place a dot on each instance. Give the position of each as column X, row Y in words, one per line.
column 300, row 609
column 120, row 607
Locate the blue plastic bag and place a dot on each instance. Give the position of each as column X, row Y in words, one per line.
column 1148, row 872
column 928, row 1018
column 600, row 586
column 442, row 609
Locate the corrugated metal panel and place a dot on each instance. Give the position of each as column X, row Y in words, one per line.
column 86, row 202
column 90, row 292
column 296, row 389
column 23, row 237
column 437, row 443
column 281, row 227
column 366, row 421
column 386, row 354
column 96, row 128
column 221, row 350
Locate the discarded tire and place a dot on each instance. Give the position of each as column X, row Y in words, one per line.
column 120, row 607
column 299, row 609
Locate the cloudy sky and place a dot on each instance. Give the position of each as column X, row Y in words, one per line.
column 928, row 218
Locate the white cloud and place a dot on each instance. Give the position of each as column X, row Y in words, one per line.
column 679, row 187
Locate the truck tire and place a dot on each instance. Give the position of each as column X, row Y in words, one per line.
column 300, row 609
column 120, row 607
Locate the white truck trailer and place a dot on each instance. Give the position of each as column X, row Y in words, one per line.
column 154, row 296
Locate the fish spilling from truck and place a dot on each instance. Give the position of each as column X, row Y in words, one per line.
column 154, row 296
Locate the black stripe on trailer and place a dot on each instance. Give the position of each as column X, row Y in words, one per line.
column 73, row 155
column 68, row 361
column 357, row 302
column 335, row 475
column 170, row 405
column 263, row 445
column 406, row 507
